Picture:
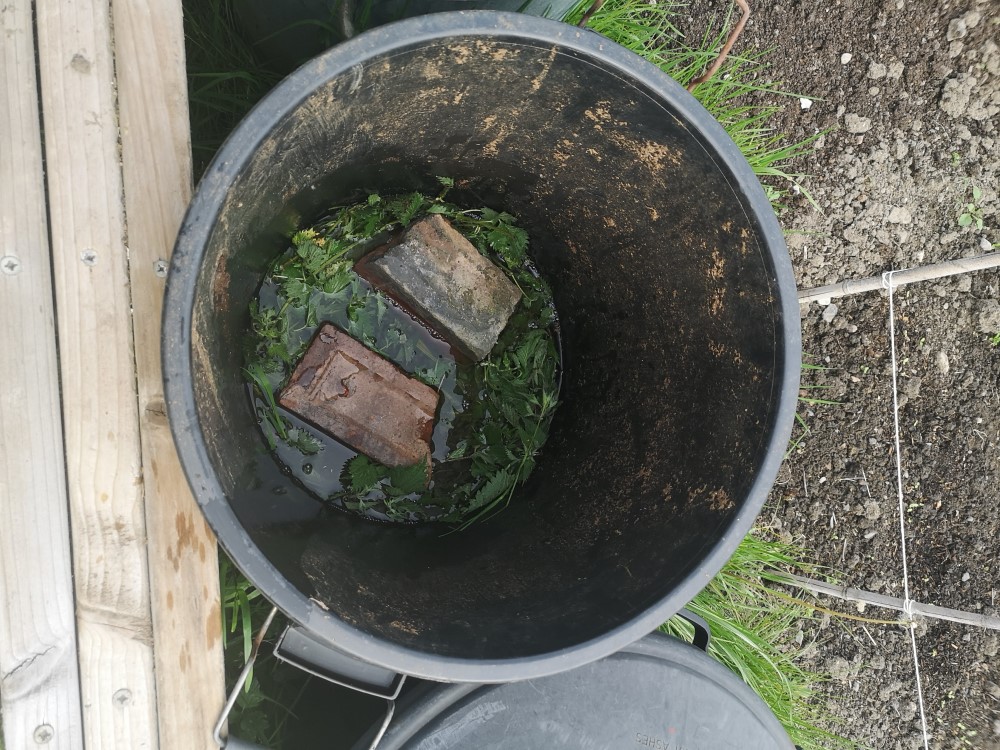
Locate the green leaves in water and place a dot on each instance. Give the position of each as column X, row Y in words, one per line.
column 520, row 386
column 369, row 484
column 270, row 339
column 506, row 240
column 319, row 263
column 269, row 413
column 501, row 407
column 520, row 395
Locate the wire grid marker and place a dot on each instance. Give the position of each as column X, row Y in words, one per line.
column 907, row 602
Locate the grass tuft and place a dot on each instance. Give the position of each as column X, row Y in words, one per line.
column 225, row 77
column 753, row 626
column 730, row 95
column 267, row 702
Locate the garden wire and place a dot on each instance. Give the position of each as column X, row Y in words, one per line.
column 753, row 626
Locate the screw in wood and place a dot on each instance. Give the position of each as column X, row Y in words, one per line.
column 44, row 734
column 122, row 697
column 160, row 268
column 89, row 257
column 10, row 265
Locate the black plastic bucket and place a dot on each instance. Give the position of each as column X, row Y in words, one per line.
column 679, row 324
column 658, row 693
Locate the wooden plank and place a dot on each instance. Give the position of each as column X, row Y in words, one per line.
column 101, row 423
column 183, row 559
column 39, row 687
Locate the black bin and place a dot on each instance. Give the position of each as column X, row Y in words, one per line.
column 656, row 694
column 680, row 342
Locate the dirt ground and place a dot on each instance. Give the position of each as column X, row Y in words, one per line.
column 909, row 91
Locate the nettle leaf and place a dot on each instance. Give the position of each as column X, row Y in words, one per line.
column 306, row 444
column 481, row 242
column 364, row 474
column 444, row 369
column 338, row 281
column 405, row 208
column 500, row 454
column 510, row 412
column 509, row 242
column 304, row 237
column 407, row 479
column 398, row 509
column 354, row 310
column 267, row 323
column 390, row 337
column 436, row 375
column 492, row 434
column 369, row 331
column 393, row 492
column 309, row 253
column 278, row 351
column 527, row 466
column 274, row 365
column 296, row 292
column 459, row 450
column 453, row 400
column 332, row 275
column 406, row 354
column 493, row 490
column 498, row 240
column 312, row 316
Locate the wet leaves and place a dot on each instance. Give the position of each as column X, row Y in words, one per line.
column 501, row 406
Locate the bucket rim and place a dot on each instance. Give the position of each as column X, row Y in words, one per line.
column 177, row 340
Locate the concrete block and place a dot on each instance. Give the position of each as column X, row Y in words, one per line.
column 438, row 274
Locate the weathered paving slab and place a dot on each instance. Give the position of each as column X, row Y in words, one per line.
column 440, row 276
column 362, row 399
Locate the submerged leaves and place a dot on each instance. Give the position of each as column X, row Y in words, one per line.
column 274, row 424
column 503, row 404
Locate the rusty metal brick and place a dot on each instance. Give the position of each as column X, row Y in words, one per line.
column 360, row 398
column 439, row 274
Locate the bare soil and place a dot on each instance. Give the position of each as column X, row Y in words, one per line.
column 907, row 95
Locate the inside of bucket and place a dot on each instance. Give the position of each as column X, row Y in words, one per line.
column 670, row 333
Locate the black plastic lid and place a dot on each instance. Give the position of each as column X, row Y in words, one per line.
column 659, row 693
